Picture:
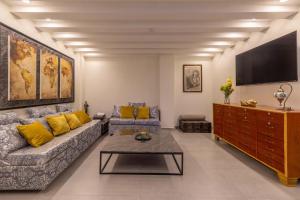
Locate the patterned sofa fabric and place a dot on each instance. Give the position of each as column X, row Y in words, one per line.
column 152, row 129
column 120, row 121
column 10, row 139
column 8, row 118
column 38, row 112
column 147, row 122
column 64, row 107
column 47, row 162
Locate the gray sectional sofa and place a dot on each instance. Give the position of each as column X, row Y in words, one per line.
column 32, row 168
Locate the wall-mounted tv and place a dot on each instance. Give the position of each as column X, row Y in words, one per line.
column 275, row 61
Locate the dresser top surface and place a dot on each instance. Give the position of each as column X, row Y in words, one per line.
column 259, row 107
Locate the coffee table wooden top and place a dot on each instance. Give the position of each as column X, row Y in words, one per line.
column 123, row 141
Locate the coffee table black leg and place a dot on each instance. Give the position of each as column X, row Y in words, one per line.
column 178, row 167
column 106, row 162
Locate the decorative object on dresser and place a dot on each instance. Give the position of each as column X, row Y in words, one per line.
column 227, row 90
column 266, row 134
column 249, row 103
column 194, row 124
column 281, row 96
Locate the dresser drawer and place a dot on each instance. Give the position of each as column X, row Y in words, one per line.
column 271, row 144
column 271, row 129
column 270, row 117
column 247, row 130
column 271, row 155
column 268, row 160
column 247, row 149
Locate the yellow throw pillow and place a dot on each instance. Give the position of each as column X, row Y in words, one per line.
column 58, row 124
column 143, row 112
column 36, row 134
column 83, row 117
column 73, row 121
column 127, row 112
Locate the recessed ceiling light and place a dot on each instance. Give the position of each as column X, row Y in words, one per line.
column 48, row 20
column 283, row 1
column 253, row 19
column 26, row 1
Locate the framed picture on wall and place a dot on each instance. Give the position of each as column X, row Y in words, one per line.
column 32, row 73
column 192, row 78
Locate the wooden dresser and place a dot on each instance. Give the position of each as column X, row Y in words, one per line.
column 268, row 135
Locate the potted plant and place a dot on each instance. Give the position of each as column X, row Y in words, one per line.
column 227, row 90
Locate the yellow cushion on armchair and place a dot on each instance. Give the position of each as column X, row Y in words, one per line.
column 127, row 112
column 143, row 112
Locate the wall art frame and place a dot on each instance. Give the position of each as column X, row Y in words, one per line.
column 20, row 68
column 192, row 78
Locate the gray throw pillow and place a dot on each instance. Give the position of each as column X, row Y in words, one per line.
column 8, row 118
column 116, row 111
column 10, row 139
column 38, row 112
column 64, row 108
column 154, row 112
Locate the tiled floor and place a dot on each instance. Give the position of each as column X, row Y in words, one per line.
column 213, row 171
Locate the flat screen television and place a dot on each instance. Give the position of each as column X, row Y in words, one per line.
column 275, row 61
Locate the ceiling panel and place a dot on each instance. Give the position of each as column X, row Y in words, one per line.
column 115, row 27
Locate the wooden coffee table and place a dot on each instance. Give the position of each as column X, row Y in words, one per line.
column 123, row 142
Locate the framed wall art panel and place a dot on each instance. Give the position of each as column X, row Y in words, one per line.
column 30, row 72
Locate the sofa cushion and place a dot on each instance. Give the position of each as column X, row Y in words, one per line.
column 116, row 111
column 147, row 122
column 127, row 112
column 30, row 156
column 64, row 108
column 58, row 124
column 36, row 134
column 8, row 118
column 38, row 112
column 10, row 139
column 143, row 112
column 154, row 112
column 42, row 120
column 119, row 121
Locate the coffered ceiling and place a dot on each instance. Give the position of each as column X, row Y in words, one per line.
column 192, row 27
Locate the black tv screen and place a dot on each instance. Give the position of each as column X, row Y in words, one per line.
column 275, row 61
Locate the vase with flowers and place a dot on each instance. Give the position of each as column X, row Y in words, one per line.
column 227, row 90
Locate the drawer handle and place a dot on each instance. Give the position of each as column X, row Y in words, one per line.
column 269, row 113
column 269, row 123
column 270, row 127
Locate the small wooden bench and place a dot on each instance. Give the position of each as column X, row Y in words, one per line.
column 194, row 124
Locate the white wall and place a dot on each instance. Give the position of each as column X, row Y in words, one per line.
column 28, row 28
column 167, row 90
column 118, row 80
column 193, row 103
column 157, row 80
column 224, row 66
